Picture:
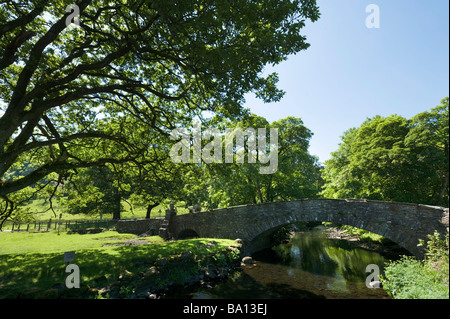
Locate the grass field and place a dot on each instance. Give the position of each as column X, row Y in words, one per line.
column 17, row 243
column 39, row 209
column 34, row 261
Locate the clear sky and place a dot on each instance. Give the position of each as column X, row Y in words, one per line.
column 351, row 72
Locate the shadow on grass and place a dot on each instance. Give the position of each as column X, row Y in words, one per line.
column 27, row 275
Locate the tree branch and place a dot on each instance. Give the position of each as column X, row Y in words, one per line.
column 11, row 49
column 23, row 20
column 55, row 167
column 10, row 121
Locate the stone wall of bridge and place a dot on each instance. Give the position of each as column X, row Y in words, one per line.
column 402, row 223
column 139, row 226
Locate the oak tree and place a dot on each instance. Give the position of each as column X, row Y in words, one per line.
column 67, row 91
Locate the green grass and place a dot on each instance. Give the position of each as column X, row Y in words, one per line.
column 12, row 243
column 364, row 235
column 35, row 260
column 39, row 211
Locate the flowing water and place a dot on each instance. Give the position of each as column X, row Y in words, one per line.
column 310, row 266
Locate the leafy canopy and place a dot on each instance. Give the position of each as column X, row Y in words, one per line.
column 393, row 159
column 74, row 97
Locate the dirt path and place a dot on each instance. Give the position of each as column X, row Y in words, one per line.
column 130, row 242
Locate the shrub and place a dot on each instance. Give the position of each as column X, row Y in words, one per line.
column 409, row 278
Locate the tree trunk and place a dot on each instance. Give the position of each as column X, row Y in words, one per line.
column 117, row 204
column 443, row 189
column 149, row 209
column 259, row 192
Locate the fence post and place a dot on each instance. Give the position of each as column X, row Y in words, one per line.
column 59, row 223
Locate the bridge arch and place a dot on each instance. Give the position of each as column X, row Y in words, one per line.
column 187, row 233
column 402, row 223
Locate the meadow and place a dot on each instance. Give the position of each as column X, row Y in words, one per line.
column 39, row 211
column 32, row 264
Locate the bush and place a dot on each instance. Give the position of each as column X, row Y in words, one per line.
column 364, row 235
column 409, row 278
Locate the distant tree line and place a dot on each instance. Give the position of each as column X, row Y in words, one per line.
column 394, row 159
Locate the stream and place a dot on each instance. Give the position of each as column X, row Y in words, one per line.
column 310, row 266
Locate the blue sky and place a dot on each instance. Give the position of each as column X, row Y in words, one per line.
column 351, row 72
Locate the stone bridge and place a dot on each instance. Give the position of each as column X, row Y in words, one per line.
column 402, row 223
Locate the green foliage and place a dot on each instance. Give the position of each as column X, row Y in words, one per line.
column 91, row 191
column 409, row 278
column 228, row 184
column 393, row 159
column 222, row 258
column 36, row 260
column 89, row 96
column 436, row 246
column 364, row 235
column 436, row 256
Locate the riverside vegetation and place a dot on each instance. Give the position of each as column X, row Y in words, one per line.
column 114, row 265
column 409, row 278
column 86, row 112
column 406, row 277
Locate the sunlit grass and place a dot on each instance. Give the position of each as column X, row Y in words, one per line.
column 51, row 242
column 364, row 235
column 36, row 260
column 39, row 209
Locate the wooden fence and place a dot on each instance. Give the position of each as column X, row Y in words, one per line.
column 62, row 225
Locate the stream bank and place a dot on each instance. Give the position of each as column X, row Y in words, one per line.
column 387, row 248
column 309, row 265
column 221, row 272
column 174, row 273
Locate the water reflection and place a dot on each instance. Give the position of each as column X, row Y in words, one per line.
column 310, row 266
column 313, row 252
